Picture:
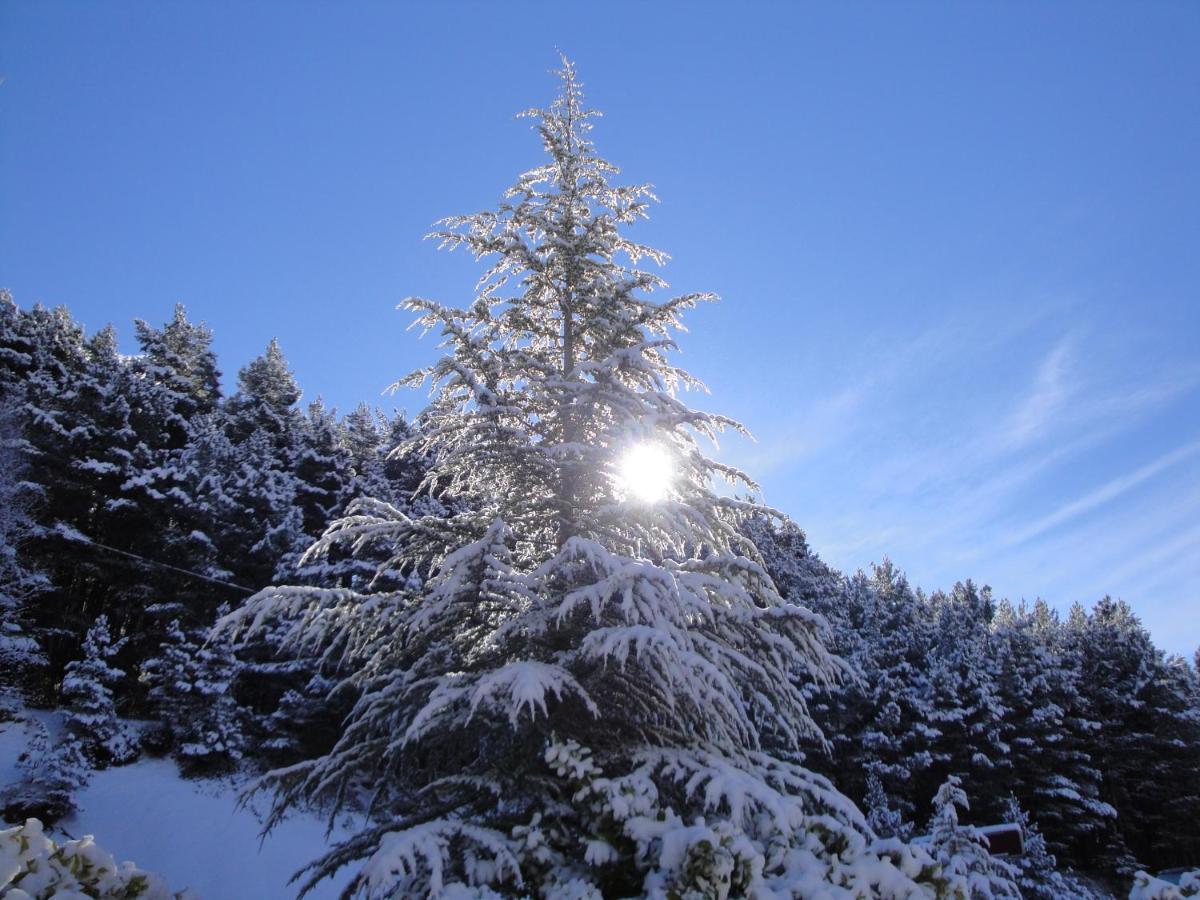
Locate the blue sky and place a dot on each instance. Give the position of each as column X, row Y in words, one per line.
column 956, row 244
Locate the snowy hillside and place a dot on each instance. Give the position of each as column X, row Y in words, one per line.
column 539, row 642
column 191, row 832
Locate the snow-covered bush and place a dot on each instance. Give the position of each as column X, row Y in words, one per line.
column 91, row 715
column 884, row 819
column 1147, row 887
column 1037, row 869
column 189, row 686
column 51, row 772
column 967, row 865
column 34, row 867
column 775, row 831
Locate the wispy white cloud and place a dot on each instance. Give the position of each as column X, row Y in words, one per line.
column 1144, row 548
column 943, row 457
column 826, row 422
column 1108, row 491
column 1053, row 387
column 1158, row 562
column 831, row 420
column 1107, row 552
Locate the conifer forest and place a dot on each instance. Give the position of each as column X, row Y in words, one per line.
column 538, row 639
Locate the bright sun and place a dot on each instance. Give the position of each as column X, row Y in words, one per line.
column 645, row 472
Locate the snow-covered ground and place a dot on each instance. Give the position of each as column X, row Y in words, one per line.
column 14, row 738
column 189, row 831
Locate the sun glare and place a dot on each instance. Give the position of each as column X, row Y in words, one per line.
column 645, row 473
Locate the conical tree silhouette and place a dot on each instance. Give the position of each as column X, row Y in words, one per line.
column 578, row 692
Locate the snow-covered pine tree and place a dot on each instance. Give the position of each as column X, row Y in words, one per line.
column 21, row 659
column 364, row 446
column 799, row 574
column 50, row 774
column 884, row 820
column 295, row 692
column 881, row 723
column 1146, row 727
column 270, row 532
column 46, row 349
column 1037, row 869
column 265, row 429
column 306, row 719
column 174, row 392
column 266, row 398
column 91, row 717
column 263, row 542
column 171, row 388
column 1049, row 770
column 132, row 425
column 364, row 436
column 235, row 505
column 16, row 349
column 98, row 428
column 369, row 437
column 273, row 479
column 579, row 693
column 179, row 357
column 973, row 873
column 322, row 465
column 966, row 708
column 189, row 685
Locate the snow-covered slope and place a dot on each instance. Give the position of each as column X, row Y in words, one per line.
column 191, row 832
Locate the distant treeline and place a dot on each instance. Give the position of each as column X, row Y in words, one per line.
column 135, row 491
column 138, row 501
column 1090, row 727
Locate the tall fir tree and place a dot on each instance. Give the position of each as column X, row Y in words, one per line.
column 266, row 432
column 179, row 357
column 581, row 693
column 322, row 465
column 266, row 399
column 21, row 659
column 189, row 684
column 1145, row 727
column 62, row 398
column 967, row 709
column 17, row 350
column 882, row 722
column 98, row 430
column 1048, row 770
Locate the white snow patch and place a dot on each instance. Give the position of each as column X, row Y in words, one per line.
column 193, row 834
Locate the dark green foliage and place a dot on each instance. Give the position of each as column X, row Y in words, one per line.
column 1091, row 729
column 190, row 686
column 137, row 493
column 1085, row 723
column 1147, row 738
column 87, row 696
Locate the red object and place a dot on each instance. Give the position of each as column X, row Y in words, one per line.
column 1006, row 838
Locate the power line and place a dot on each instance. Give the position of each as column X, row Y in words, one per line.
column 79, row 538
